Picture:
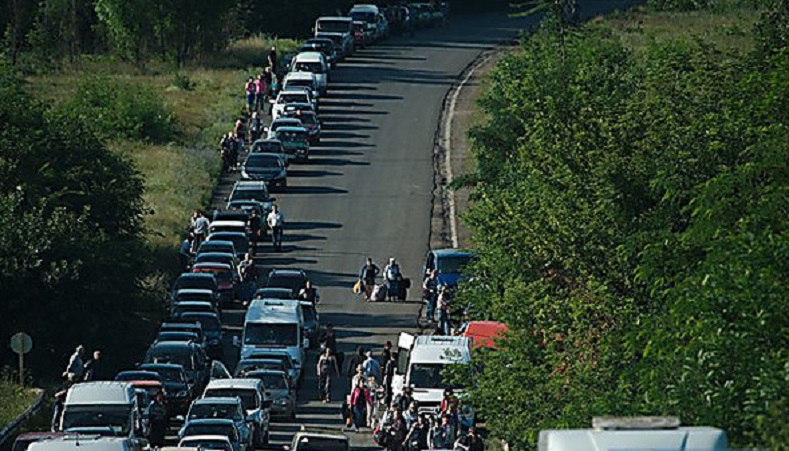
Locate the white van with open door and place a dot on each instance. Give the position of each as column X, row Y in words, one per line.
column 275, row 324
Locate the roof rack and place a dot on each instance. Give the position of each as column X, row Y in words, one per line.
column 634, row 423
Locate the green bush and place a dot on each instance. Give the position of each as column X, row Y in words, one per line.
column 116, row 108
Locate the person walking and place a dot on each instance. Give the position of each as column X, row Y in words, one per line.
column 272, row 59
column 430, row 290
column 260, row 93
column 255, row 127
column 327, row 365
column 255, row 226
column 59, row 404
column 240, row 132
column 309, row 294
column 354, row 363
column 416, row 440
column 393, row 277
column 199, row 230
column 75, row 369
column 155, row 417
column 367, row 276
column 275, row 222
column 249, row 274
column 471, row 441
column 251, row 92
column 329, row 339
column 440, row 435
column 398, row 431
column 404, row 400
column 371, row 367
column 94, row 369
column 185, row 253
column 389, row 370
column 443, row 311
column 360, row 400
column 449, row 408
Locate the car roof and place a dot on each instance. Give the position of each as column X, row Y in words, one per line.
column 451, row 252
column 334, row 18
column 218, row 254
column 220, row 438
column 171, row 366
column 216, row 243
column 91, row 444
column 191, row 275
column 223, row 401
column 103, row 392
column 228, row 233
column 300, row 75
column 260, row 155
column 171, row 345
column 309, row 57
column 213, row 265
column 240, row 383
column 222, row 421
column 291, row 129
column 286, row 272
column 287, row 120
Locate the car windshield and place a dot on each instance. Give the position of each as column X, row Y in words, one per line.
column 210, row 429
column 239, row 241
column 269, row 146
column 282, row 358
column 247, row 365
column 428, row 375
column 453, row 265
column 170, row 374
column 313, row 443
column 209, row 321
column 206, row 444
column 176, row 355
column 248, row 399
column 262, row 161
column 214, row 247
column 271, row 334
column 213, row 257
column 308, row 119
column 249, row 194
column 222, row 275
column 333, row 26
column 176, row 336
column 363, row 16
column 200, row 283
column 299, row 83
column 127, row 376
column 291, row 135
column 314, row 67
column 275, row 293
column 118, row 418
column 293, row 97
column 213, row 411
column 294, row 283
column 270, row 380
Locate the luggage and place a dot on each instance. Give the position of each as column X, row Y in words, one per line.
column 379, row 293
column 403, row 287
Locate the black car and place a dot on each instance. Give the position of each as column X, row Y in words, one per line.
column 266, row 167
column 190, row 356
column 293, row 279
column 177, row 390
column 323, row 45
column 197, row 281
column 231, row 215
column 137, row 375
column 212, row 327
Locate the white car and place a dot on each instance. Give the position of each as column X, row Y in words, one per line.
column 207, row 442
column 314, row 63
column 299, row 95
column 303, row 80
column 253, row 399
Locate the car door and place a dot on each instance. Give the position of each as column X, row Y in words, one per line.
column 219, row 370
column 404, row 344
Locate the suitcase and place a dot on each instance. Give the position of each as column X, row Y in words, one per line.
column 379, row 293
column 402, row 294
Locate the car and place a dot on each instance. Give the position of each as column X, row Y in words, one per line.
column 312, row 322
column 190, row 356
column 246, row 365
column 323, row 45
column 177, row 335
column 216, row 246
column 301, row 79
column 306, row 440
column 295, row 279
column 309, row 120
column 225, row 276
column 274, row 293
column 191, row 306
column 253, row 399
column 240, row 240
column 212, row 326
column 338, row 29
column 229, row 408
column 282, row 356
column 449, row 263
column 205, row 281
column 312, row 63
column 296, row 95
column 252, row 191
column 88, row 442
column 235, row 214
column 283, row 121
column 204, row 442
column 224, row 225
column 214, row 426
column 370, row 16
column 219, row 257
column 269, row 145
column 196, row 295
column 267, row 167
column 296, row 141
column 137, row 375
column 245, row 206
column 25, row 439
column 279, row 389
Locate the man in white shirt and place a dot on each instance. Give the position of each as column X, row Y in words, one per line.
column 274, row 220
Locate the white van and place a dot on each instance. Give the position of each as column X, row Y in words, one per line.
column 371, row 16
column 275, row 324
column 101, row 408
column 338, row 29
column 634, row 433
column 311, row 62
column 421, row 360
column 302, row 80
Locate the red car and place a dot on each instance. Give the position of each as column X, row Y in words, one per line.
column 225, row 278
column 483, row 334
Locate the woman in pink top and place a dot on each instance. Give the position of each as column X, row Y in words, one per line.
column 260, row 98
column 361, row 400
column 251, row 90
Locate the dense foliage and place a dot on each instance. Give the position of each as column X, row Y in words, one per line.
column 70, row 234
column 630, row 212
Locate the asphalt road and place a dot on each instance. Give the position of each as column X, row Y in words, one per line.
column 367, row 189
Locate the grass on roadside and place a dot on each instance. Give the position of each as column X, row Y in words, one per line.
column 14, row 399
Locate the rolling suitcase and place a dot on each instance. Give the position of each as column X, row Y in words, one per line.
column 379, row 293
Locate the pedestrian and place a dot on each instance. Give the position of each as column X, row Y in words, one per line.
column 372, row 369
column 226, row 146
column 155, row 416
column 367, row 276
column 272, row 59
column 255, row 127
column 410, row 415
column 354, row 363
column 389, row 370
column 397, row 432
column 309, row 293
column 360, row 400
column 251, row 92
column 416, row 440
column 185, row 253
column 387, row 351
column 359, row 376
column 75, row 369
column 443, row 311
column 430, row 290
column 94, row 369
column 329, row 339
column 249, row 274
column 440, row 435
column 405, row 399
column 199, row 229
column 471, row 441
column 450, row 409
column 260, row 93
column 327, row 365
column 255, row 226
column 275, row 222
column 240, row 132
column 393, row 277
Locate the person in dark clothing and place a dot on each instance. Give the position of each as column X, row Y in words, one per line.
column 353, row 363
column 404, row 400
column 386, row 352
column 57, row 405
column 309, row 293
column 389, row 370
column 329, row 339
column 416, row 440
column 94, row 369
column 272, row 59
column 155, row 417
column 185, row 254
column 367, row 276
column 255, row 225
column 327, row 366
column 397, row 432
column 471, row 441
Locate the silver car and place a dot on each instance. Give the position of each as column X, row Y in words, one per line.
column 278, row 390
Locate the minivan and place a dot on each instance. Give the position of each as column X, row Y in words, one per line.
column 101, row 408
